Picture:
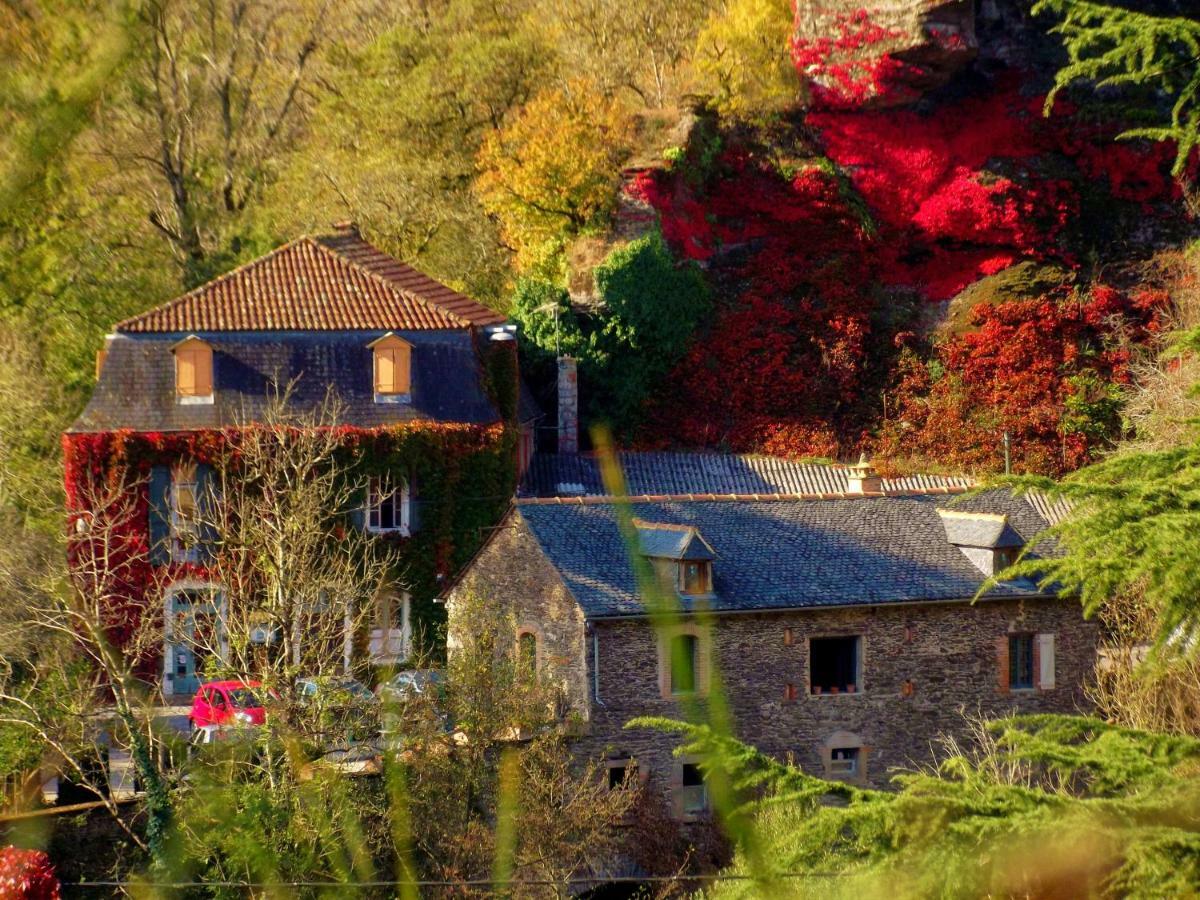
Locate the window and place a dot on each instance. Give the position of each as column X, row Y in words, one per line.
column 185, row 514
column 694, row 577
column 193, row 370
column 834, row 665
column 393, row 367
column 1020, row 661
column 843, row 762
column 683, row 663
column 622, row 773
column 693, row 792
column 1005, row 557
column 387, row 507
column 527, row 653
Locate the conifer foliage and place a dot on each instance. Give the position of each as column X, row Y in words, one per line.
column 1042, row 805
column 1115, row 47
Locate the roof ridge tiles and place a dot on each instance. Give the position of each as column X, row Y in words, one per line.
column 609, row 499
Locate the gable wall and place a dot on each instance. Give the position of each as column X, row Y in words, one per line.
column 513, row 572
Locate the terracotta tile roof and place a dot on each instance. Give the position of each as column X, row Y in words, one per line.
column 332, row 282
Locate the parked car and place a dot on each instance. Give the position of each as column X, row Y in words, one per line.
column 400, row 695
column 355, row 760
column 228, row 703
column 340, row 708
column 412, row 683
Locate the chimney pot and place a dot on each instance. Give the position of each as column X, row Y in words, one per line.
column 349, row 226
column 863, row 479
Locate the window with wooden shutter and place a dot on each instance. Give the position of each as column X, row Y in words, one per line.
column 193, row 370
column 1045, row 672
column 393, row 367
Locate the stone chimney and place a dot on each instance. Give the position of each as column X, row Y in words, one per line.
column 568, row 405
column 863, row 479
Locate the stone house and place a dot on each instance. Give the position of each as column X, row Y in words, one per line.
column 836, row 607
column 407, row 358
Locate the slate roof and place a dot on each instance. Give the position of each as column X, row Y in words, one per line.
column 136, row 388
column 780, row 553
column 552, row 475
column 325, row 283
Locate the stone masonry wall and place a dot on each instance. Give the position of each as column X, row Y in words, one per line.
column 922, row 666
column 947, row 653
column 512, row 571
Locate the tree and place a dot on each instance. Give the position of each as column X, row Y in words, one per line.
column 219, row 93
column 399, row 137
column 649, row 307
column 741, row 55
column 78, row 689
column 1043, row 805
column 298, row 587
column 553, row 171
column 641, row 48
column 1111, row 46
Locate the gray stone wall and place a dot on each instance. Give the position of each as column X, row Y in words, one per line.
column 921, row 666
column 512, row 571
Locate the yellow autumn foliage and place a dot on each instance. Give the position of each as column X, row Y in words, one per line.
column 554, row 170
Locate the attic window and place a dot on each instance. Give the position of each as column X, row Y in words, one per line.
column 695, row 576
column 193, row 371
column 392, row 368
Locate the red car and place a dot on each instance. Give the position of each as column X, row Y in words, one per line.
column 228, row 703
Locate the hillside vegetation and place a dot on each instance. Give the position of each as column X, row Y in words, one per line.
column 803, row 230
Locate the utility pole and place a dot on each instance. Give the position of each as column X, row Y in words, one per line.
column 1007, row 454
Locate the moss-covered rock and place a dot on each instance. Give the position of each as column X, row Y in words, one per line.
column 1021, row 281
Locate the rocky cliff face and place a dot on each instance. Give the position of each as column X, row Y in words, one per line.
column 917, row 261
column 885, row 55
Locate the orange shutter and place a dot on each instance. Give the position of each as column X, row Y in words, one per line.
column 401, row 365
column 185, row 372
column 203, row 363
column 385, row 371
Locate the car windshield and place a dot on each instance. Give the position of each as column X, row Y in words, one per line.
column 418, row 680
column 245, row 698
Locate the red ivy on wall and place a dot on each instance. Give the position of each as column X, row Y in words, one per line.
column 474, row 460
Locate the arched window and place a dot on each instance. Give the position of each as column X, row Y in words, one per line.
column 527, row 653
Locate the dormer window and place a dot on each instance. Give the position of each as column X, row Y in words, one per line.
column 988, row 540
column 193, row 371
column 681, row 558
column 392, row 368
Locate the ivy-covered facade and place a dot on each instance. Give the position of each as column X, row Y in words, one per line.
column 424, row 384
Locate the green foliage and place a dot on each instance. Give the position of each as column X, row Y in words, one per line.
column 1111, row 46
column 742, row 59
column 650, row 306
column 1038, row 804
column 1132, row 527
